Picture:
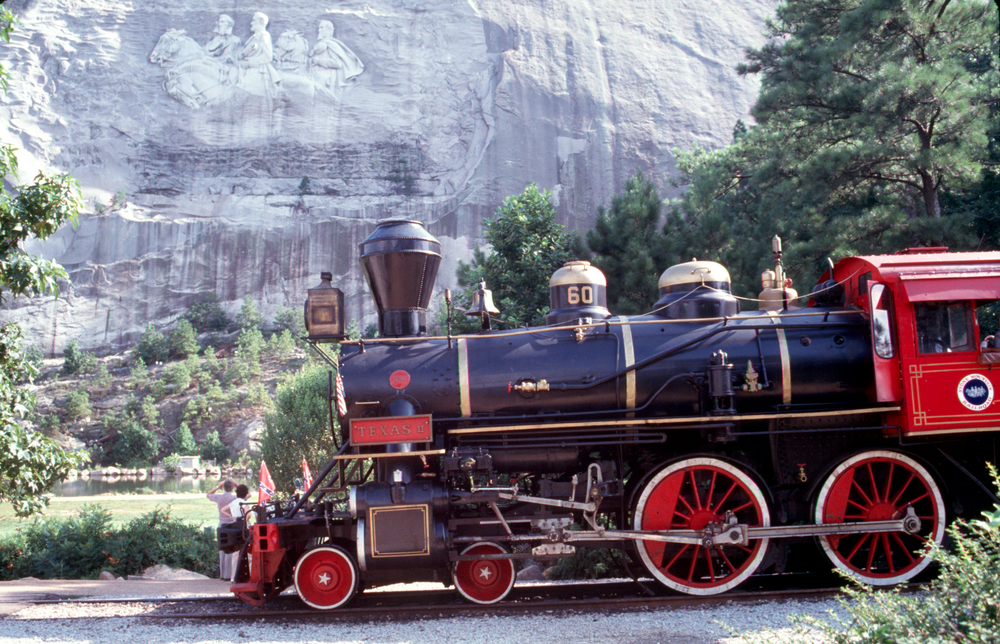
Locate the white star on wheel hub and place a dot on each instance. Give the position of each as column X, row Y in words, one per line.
column 324, row 579
column 485, row 573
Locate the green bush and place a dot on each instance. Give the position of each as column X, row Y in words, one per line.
column 184, row 444
column 139, row 376
column 290, row 320
column 75, row 360
column 249, row 317
column 213, row 449
column 182, row 340
column 206, row 314
column 133, row 443
column 34, row 356
column 153, row 347
column 962, row 604
column 299, row 426
column 280, row 344
column 102, row 378
column 83, row 546
column 179, row 376
column 77, row 405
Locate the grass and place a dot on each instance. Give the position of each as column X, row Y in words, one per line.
column 189, row 508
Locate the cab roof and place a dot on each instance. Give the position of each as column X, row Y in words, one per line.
column 926, row 274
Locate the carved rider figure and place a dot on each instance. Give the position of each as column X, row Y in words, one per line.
column 224, row 46
column 257, row 75
column 331, row 63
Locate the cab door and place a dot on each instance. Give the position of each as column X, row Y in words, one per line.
column 947, row 389
column 885, row 352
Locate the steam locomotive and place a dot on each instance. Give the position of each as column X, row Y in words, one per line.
column 704, row 443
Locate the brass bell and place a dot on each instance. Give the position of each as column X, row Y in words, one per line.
column 482, row 305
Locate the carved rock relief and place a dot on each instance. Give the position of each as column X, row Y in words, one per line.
column 205, row 76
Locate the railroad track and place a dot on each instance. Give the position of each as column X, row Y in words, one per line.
column 594, row 597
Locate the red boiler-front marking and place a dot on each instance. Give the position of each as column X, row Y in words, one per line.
column 391, row 429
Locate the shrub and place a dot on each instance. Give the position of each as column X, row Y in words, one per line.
column 213, row 449
column 133, row 443
column 206, row 314
column 290, row 320
column 102, row 378
column 179, row 376
column 152, row 347
column 34, row 356
column 184, row 444
column 249, row 317
column 961, row 605
column 257, row 396
column 77, row 405
column 249, row 345
column 280, row 344
column 139, row 376
column 81, row 547
column 299, row 426
column 182, row 341
column 211, row 362
column 75, row 360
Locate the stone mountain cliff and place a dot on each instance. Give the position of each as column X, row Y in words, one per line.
column 238, row 150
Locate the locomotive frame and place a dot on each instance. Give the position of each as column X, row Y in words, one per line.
column 704, row 443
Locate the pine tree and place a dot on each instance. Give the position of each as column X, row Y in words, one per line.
column 182, row 340
column 628, row 247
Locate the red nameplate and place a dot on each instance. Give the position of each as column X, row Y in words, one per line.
column 391, row 429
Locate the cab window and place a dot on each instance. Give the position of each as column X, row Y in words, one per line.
column 943, row 327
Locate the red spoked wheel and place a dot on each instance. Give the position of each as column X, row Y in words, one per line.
column 688, row 495
column 484, row 581
column 879, row 486
column 326, row 577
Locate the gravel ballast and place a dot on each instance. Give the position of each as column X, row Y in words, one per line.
column 98, row 623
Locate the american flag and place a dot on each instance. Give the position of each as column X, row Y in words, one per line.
column 341, row 397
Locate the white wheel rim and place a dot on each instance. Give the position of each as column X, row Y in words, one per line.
column 500, row 562
column 303, row 567
column 747, row 568
column 831, row 552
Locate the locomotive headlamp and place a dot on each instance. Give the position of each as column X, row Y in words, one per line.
column 325, row 311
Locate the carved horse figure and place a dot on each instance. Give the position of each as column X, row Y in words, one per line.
column 193, row 77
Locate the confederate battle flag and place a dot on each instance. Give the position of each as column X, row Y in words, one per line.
column 266, row 489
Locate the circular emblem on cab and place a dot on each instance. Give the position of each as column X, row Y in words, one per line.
column 401, row 380
column 975, row 391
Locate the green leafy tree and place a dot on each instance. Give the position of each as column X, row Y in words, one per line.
column 182, row 340
column 528, row 246
column 628, row 247
column 299, row 426
column 30, row 463
column 184, row 444
column 877, row 94
column 206, row 314
column 152, row 347
column 77, row 405
column 76, row 360
column 133, row 444
column 213, row 448
column 868, row 110
column 249, row 317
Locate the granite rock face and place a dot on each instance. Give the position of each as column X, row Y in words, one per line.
column 224, row 151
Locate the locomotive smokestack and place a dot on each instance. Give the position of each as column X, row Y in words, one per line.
column 401, row 260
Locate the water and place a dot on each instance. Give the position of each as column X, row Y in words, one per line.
column 169, row 484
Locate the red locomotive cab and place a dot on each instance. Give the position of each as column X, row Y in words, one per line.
column 926, row 338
